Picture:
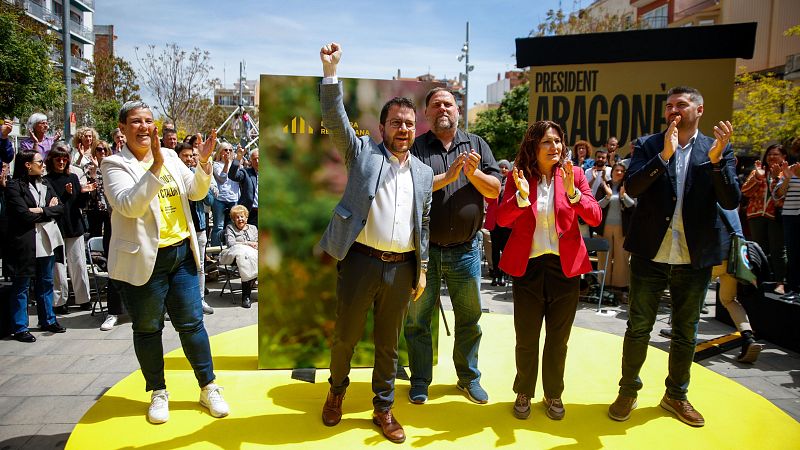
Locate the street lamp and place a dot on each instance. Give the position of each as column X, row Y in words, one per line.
column 464, row 56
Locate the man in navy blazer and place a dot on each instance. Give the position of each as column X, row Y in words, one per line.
column 248, row 183
column 379, row 234
column 678, row 177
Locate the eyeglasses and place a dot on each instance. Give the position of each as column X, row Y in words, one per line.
column 395, row 123
column 101, row 149
column 38, row 161
column 63, row 159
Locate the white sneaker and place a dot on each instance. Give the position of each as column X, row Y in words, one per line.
column 211, row 398
column 109, row 323
column 159, row 406
column 207, row 309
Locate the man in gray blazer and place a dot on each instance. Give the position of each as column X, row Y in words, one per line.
column 379, row 234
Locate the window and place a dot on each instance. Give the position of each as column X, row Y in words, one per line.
column 657, row 18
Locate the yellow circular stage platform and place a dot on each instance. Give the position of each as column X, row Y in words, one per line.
column 268, row 409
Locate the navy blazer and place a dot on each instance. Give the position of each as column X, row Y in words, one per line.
column 654, row 184
column 248, row 183
column 367, row 165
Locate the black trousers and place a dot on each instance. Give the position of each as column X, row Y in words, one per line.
column 500, row 237
column 544, row 293
column 365, row 282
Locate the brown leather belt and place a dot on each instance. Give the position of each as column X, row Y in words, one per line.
column 380, row 254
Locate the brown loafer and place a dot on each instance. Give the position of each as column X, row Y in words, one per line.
column 684, row 411
column 332, row 410
column 391, row 428
column 621, row 409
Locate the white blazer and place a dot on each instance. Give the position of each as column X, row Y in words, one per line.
column 132, row 192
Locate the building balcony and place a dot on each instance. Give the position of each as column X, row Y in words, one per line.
column 83, row 33
column 76, row 63
column 40, row 12
column 85, row 5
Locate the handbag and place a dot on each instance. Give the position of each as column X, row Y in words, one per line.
column 738, row 257
column 739, row 261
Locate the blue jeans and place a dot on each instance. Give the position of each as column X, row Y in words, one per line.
column 460, row 266
column 687, row 287
column 220, row 207
column 43, row 289
column 173, row 286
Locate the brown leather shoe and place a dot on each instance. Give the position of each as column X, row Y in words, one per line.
column 621, row 409
column 332, row 410
column 684, row 411
column 391, row 428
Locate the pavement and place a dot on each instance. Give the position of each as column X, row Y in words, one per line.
column 47, row 386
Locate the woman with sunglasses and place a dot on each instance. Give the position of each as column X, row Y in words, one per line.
column 33, row 237
column 73, row 196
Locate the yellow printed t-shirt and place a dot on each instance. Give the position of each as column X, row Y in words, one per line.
column 173, row 226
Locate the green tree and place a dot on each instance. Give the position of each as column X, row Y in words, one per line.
column 114, row 79
column 504, row 127
column 767, row 110
column 27, row 79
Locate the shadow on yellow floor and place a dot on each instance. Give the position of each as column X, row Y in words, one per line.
column 269, row 409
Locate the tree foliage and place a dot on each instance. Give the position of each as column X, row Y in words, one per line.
column 557, row 23
column 28, row 81
column 114, row 79
column 179, row 80
column 768, row 110
column 503, row 128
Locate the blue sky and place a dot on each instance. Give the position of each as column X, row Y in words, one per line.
column 378, row 38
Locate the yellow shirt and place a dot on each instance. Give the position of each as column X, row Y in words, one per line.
column 173, row 227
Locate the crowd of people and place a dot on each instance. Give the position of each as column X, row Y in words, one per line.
column 411, row 215
column 71, row 174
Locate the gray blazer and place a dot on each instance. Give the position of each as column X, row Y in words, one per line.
column 367, row 165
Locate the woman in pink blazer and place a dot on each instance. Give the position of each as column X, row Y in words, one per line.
column 545, row 255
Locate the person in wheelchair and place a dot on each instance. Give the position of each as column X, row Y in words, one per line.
column 241, row 239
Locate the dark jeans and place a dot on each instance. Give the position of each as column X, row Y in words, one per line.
column 543, row 293
column 687, row 287
column 460, row 266
column 222, row 218
column 768, row 233
column 174, row 287
column 42, row 288
column 500, row 237
column 791, row 228
column 365, row 282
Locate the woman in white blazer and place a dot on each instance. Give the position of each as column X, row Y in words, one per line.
column 153, row 257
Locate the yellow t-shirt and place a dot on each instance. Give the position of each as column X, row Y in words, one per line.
column 173, row 225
